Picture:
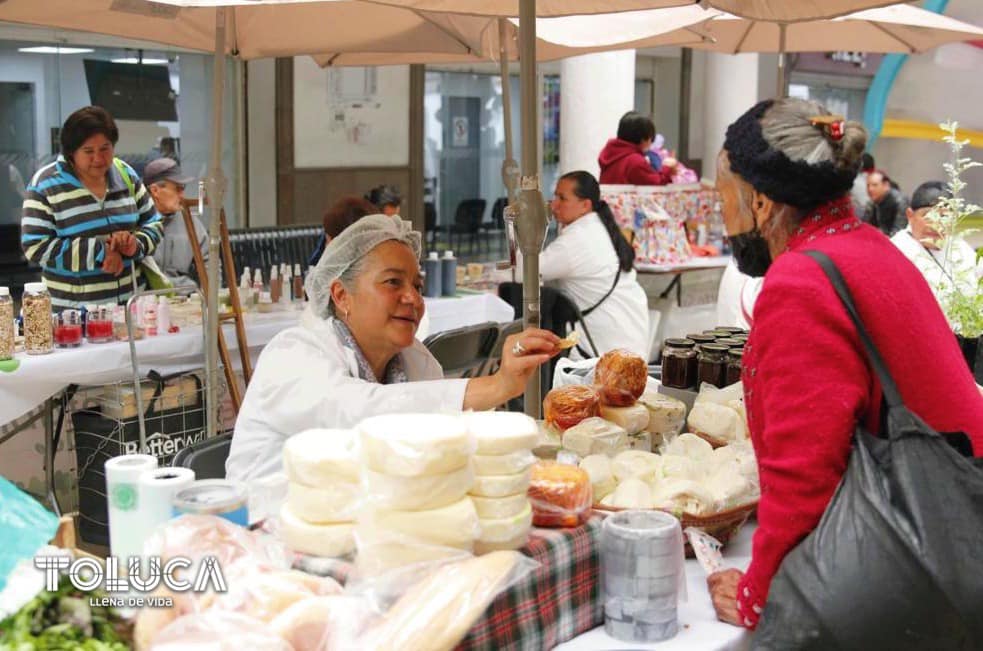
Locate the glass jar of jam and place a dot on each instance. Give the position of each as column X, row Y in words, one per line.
column 679, row 367
column 730, row 342
column 99, row 325
column 68, row 329
column 735, row 360
column 740, row 338
column 712, row 364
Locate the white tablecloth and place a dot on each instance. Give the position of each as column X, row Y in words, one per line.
column 91, row 364
column 699, row 627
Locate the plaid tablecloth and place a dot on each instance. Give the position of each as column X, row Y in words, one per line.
column 556, row 603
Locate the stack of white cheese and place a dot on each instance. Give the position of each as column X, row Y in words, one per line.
column 417, row 472
column 502, row 465
column 323, row 493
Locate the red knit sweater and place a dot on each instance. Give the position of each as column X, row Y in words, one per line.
column 623, row 163
column 807, row 380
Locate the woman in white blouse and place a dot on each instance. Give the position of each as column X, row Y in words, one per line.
column 591, row 262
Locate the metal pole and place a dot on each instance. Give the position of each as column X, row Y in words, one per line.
column 216, row 194
column 782, row 63
column 503, row 59
column 531, row 225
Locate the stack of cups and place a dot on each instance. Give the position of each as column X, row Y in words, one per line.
column 641, row 574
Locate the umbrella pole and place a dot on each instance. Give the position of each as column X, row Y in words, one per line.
column 503, row 58
column 782, row 61
column 216, row 192
column 532, row 208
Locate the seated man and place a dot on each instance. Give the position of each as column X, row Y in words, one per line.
column 886, row 209
column 920, row 243
column 165, row 181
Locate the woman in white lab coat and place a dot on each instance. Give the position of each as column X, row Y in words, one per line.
column 355, row 354
column 592, row 263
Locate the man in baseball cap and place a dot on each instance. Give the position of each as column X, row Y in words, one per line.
column 165, row 180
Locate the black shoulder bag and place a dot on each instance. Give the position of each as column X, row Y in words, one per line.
column 895, row 562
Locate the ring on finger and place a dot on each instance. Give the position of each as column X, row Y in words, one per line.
column 518, row 349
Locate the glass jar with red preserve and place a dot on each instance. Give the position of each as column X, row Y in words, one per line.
column 68, row 329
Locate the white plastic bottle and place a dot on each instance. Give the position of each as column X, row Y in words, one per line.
column 163, row 315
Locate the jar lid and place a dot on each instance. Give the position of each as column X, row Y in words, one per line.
column 732, row 329
column 35, row 287
column 701, row 339
column 735, row 353
column 680, row 343
column 4, row 291
column 714, row 348
column 730, row 342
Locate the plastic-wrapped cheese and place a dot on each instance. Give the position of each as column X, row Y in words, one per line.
column 374, row 559
column 501, row 485
column 502, row 432
column 561, row 496
column 738, row 406
column 494, row 508
column 320, row 456
column 595, row 436
column 328, row 540
column 730, row 489
column 718, row 421
column 683, row 495
column 632, row 419
column 632, row 493
column 692, row 446
column 412, row 445
column 334, row 501
column 506, row 529
column 667, row 415
column 454, row 525
column 641, row 441
column 675, row 466
column 320, row 623
column 598, row 467
column 635, row 463
column 503, row 464
column 418, row 493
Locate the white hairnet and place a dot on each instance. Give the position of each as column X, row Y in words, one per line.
column 351, row 245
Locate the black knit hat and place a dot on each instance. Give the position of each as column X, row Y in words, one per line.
column 774, row 174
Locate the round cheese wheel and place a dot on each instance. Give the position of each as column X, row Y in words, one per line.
column 418, row 493
column 454, row 525
column 335, row 501
column 485, row 547
column 637, row 463
column 501, row 485
column 491, row 508
column 598, row 467
column 318, row 456
column 502, row 529
column 329, row 540
column 503, row 464
column 632, row 493
column 502, row 432
column 633, row 418
column 413, row 445
column 379, row 558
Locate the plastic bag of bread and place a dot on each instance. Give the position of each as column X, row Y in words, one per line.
column 218, row 631
column 595, row 436
column 197, row 536
column 620, row 377
column 566, row 406
column 325, row 623
column 441, row 605
column 264, row 595
column 561, row 495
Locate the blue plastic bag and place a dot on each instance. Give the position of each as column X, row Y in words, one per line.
column 25, row 527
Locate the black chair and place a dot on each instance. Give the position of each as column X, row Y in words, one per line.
column 463, row 352
column 495, row 356
column 467, row 221
column 496, row 230
column 430, row 227
column 206, row 458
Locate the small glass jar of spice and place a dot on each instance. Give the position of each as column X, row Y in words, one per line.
column 679, row 365
column 712, row 364
column 36, row 306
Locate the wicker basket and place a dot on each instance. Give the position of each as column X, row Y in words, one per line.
column 723, row 525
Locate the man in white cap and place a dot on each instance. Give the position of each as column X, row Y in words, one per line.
column 165, row 181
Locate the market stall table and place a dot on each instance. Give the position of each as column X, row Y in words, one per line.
column 42, row 376
column 699, row 627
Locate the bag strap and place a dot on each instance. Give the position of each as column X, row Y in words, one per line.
column 121, row 168
column 596, row 305
column 888, row 387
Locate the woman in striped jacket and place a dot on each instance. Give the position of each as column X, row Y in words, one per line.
column 87, row 218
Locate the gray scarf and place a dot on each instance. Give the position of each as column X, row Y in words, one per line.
column 395, row 373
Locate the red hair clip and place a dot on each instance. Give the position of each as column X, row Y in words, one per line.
column 832, row 125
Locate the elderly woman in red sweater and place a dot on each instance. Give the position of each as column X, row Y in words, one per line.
column 784, row 175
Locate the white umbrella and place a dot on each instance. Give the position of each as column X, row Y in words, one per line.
column 898, row 28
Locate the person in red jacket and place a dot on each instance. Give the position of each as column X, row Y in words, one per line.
column 784, row 176
column 623, row 160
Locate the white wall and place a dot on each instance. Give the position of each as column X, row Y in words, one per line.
column 261, row 136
